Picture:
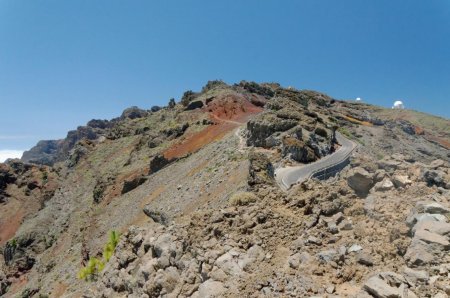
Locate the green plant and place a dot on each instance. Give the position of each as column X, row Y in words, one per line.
column 92, row 269
column 188, row 96
column 44, row 177
column 321, row 132
column 95, row 265
column 111, row 245
column 345, row 132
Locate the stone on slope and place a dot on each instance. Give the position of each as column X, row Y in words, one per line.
column 401, row 181
column 416, row 276
column 438, row 227
column 388, row 285
column 129, row 185
column 228, row 262
column 418, row 254
column 157, row 216
column 384, row 185
column 360, row 181
column 260, row 169
column 435, row 208
column 434, row 239
column 380, row 289
column 211, row 288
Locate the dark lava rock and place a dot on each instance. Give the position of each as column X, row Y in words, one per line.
column 155, row 109
column 133, row 113
column 154, row 142
column 101, row 124
column 157, row 216
column 434, row 177
column 406, row 127
column 8, row 251
column 158, row 162
column 176, row 131
column 132, row 184
column 197, row 104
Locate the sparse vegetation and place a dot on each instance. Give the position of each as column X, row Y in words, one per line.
column 321, row 132
column 172, row 103
column 242, row 198
column 345, row 132
column 98, row 191
column 188, row 96
column 44, row 177
column 213, row 84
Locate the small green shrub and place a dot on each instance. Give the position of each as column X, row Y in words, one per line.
column 188, row 96
column 98, row 192
column 44, row 177
column 95, row 265
column 321, row 132
column 242, row 198
column 92, row 269
column 111, row 245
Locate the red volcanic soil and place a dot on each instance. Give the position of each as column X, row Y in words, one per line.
column 228, row 112
column 440, row 141
column 431, row 137
column 10, row 225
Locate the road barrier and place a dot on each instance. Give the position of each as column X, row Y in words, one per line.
column 331, row 171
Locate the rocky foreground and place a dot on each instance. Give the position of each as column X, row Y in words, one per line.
column 380, row 230
column 191, row 189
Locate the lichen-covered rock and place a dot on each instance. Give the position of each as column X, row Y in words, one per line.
column 297, row 150
column 262, row 127
column 260, row 169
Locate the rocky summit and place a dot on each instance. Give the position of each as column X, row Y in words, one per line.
column 244, row 190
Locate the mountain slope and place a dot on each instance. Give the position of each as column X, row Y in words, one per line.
column 191, row 189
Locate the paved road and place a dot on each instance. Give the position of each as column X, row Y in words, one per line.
column 288, row 176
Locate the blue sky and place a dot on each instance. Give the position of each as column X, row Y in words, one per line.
column 63, row 63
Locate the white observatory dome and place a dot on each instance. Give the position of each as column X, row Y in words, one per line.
column 358, row 99
column 398, row 104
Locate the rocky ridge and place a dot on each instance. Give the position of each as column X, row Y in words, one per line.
column 201, row 214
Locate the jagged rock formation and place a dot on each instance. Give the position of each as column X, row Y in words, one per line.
column 191, row 189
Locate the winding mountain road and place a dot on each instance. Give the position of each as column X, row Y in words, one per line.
column 288, row 176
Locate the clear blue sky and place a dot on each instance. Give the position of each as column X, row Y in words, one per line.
column 63, row 63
